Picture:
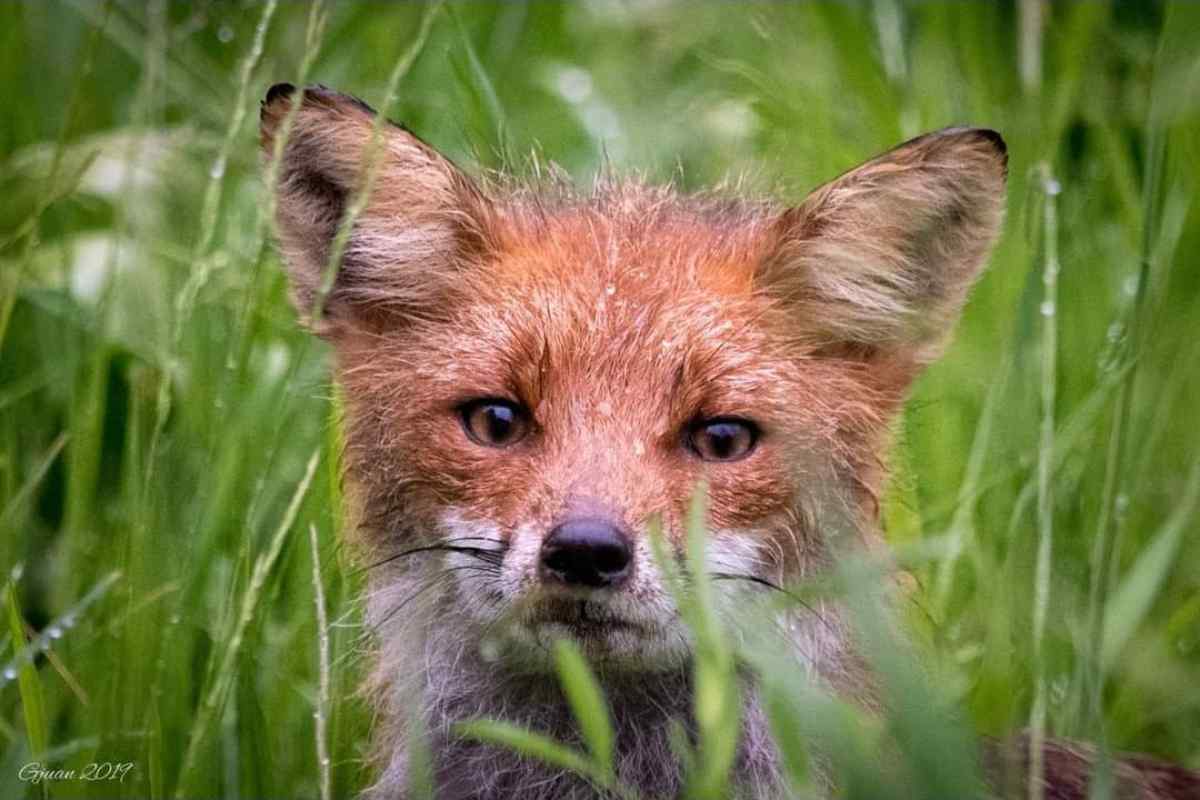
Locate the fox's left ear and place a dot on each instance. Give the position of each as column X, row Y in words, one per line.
column 879, row 260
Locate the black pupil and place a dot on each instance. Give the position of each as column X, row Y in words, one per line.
column 499, row 422
column 723, row 438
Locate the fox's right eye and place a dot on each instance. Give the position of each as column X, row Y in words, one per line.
column 494, row 423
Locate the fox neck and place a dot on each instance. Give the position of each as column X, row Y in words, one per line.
column 430, row 661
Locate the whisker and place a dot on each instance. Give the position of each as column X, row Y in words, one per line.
column 733, row 576
column 491, row 555
column 738, row 576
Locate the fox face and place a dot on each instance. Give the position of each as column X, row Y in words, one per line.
column 534, row 377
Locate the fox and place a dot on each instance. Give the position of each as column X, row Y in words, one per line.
column 535, row 375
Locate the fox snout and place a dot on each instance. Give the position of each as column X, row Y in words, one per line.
column 586, row 553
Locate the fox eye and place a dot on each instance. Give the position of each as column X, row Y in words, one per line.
column 722, row 439
column 494, row 423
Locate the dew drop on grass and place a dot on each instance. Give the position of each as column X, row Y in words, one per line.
column 68, row 621
column 1047, row 308
column 225, row 34
column 10, row 674
column 54, row 632
column 217, row 170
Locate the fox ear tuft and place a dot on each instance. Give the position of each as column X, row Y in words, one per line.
column 422, row 218
column 880, row 260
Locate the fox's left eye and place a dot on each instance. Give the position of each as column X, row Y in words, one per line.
column 722, row 439
column 494, row 423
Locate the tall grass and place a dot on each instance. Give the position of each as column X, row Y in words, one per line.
column 168, row 438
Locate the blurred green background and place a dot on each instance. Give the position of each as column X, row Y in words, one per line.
column 158, row 406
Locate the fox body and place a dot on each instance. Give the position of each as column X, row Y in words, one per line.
column 532, row 375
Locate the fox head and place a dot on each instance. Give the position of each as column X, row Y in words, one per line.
column 532, row 374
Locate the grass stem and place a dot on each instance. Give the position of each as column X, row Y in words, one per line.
column 1045, row 466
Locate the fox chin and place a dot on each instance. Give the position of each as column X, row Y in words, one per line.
column 535, row 377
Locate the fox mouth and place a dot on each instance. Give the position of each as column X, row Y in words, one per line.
column 583, row 618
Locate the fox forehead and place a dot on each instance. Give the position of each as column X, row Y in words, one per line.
column 641, row 237
column 593, row 305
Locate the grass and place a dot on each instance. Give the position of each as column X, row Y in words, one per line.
column 168, row 438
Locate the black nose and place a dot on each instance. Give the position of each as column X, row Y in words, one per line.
column 586, row 552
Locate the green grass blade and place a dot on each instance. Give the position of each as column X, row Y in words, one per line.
column 28, row 683
column 587, row 702
column 23, row 494
column 321, row 714
column 1137, row 591
column 528, row 743
column 1045, row 468
column 486, row 112
column 716, row 692
column 223, row 676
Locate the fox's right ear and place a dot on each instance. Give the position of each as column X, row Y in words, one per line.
column 422, row 220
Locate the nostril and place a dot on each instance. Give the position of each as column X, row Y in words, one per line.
column 586, row 552
column 567, row 561
column 611, row 558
